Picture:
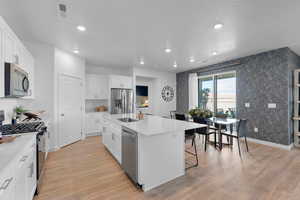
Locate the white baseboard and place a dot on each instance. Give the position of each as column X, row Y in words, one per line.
column 271, row 144
column 53, row 149
column 93, row 134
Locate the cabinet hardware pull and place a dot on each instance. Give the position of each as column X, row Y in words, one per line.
column 6, row 183
column 24, row 158
column 31, row 170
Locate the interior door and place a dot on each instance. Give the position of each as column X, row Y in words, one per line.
column 70, row 109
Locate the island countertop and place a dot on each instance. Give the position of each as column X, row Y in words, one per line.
column 153, row 125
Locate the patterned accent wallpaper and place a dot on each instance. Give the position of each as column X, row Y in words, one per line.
column 261, row 79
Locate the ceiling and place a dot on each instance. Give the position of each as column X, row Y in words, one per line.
column 121, row 32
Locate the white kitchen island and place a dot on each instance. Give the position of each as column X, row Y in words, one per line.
column 161, row 147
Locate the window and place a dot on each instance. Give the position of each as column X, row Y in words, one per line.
column 217, row 93
column 142, row 99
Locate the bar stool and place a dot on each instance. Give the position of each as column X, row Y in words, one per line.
column 189, row 135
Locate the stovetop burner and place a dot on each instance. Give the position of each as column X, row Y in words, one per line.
column 10, row 129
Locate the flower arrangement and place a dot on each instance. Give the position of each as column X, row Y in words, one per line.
column 200, row 113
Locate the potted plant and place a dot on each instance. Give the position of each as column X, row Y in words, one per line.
column 200, row 115
column 19, row 110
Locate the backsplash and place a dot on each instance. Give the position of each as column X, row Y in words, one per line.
column 8, row 106
column 90, row 105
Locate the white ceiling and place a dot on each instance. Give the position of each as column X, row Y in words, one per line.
column 120, row 32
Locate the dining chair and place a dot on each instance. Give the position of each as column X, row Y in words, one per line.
column 237, row 134
column 189, row 135
column 206, row 131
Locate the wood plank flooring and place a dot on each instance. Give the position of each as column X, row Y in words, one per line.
column 86, row 171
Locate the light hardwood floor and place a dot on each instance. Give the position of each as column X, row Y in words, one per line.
column 86, row 171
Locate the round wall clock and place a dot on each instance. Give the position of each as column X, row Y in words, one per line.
column 167, row 93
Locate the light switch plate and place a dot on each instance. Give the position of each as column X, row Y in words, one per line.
column 271, row 105
column 255, row 129
column 247, row 105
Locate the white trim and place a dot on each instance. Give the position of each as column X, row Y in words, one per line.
column 271, row 144
column 217, row 74
column 60, row 76
column 215, row 85
column 93, row 134
column 53, row 149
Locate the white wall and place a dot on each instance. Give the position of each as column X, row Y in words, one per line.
column 44, row 84
column 67, row 64
column 92, row 69
column 160, row 79
column 8, row 105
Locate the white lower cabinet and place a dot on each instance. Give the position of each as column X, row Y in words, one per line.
column 93, row 123
column 21, row 178
column 18, row 179
column 7, row 183
column 112, row 138
column 31, row 173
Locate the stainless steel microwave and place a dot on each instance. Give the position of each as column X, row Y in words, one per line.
column 16, row 81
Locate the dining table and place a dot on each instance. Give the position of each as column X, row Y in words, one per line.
column 219, row 123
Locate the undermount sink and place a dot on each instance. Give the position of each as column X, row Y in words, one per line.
column 127, row 119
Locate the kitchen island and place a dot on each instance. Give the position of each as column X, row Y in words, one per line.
column 159, row 155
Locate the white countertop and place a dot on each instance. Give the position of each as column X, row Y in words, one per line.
column 9, row 151
column 153, row 125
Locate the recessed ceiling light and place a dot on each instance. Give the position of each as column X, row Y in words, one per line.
column 142, row 62
column 81, row 28
column 168, row 50
column 76, row 51
column 192, row 60
column 218, row 26
column 175, row 64
column 214, row 53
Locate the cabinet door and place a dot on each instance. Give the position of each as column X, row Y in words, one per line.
column 127, row 82
column 102, row 87
column 9, row 48
column 116, row 139
column 31, row 173
column 116, row 82
column 1, row 61
column 107, row 138
column 21, row 179
column 124, row 82
column 118, row 147
column 20, row 54
column 7, row 184
column 89, row 87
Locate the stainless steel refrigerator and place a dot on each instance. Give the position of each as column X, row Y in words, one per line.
column 121, row 101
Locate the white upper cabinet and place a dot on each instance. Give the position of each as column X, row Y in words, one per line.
column 96, row 86
column 12, row 50
column 124, row 82
column 1, row 61
column 9, row 47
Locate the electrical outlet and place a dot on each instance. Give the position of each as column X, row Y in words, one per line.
column 271, row 105
column 247, row 105
column 256, row 130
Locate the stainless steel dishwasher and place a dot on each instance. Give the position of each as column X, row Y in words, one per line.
column 130, row 154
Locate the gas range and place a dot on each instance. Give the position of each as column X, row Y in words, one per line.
column 10, row 129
